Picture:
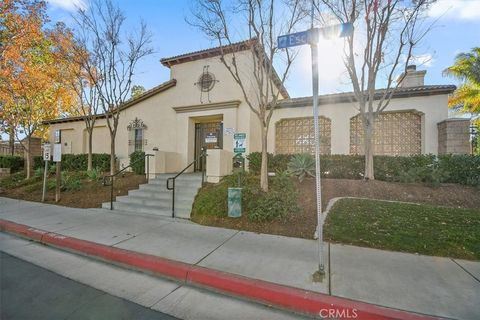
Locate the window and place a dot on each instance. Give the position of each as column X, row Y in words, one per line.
column 395, row 133
column 297, row 135
column 136, row 140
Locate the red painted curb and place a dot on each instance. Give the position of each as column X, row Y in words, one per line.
column 289, row 298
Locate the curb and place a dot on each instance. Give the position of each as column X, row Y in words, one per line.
column 264, row 292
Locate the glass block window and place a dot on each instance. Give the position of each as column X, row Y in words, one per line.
column 297, row 135
column 395, row 133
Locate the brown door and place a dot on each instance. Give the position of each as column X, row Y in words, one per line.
column 207, row 135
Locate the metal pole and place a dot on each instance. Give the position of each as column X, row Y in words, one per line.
column 173, row 199
column 314, row 49
column 148, row 167
column 58, row 181
column 111, row 193
column 45, row 181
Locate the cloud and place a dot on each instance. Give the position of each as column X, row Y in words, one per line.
column 456, row 9
column 69, row 5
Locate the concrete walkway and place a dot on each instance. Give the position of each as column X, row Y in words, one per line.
column 430, row 285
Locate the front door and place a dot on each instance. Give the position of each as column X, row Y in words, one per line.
column 207, row 135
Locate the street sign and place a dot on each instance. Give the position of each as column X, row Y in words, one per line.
column 294, row 39
column 312, row 35
column 47, row 152
column 57, row 152
column 239, row 143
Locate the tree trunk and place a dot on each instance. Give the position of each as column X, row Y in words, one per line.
column 11, row 141
column 90, row 147
column 264, row 167
column 112, row 156
column 368, row 129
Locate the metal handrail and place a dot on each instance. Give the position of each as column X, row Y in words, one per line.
column 111, row 176
column 202, row 156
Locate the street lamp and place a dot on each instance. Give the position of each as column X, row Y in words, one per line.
column 311, row 37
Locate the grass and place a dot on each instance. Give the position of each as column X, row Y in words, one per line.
column 422, row 229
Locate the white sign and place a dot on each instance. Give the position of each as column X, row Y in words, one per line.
column 240, row 143
column 46, row 152
column 57, row 152
column 211, row 137
column 229, row 131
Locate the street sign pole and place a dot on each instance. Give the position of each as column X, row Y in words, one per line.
column 311, row 37
column 46, row 158
column 314, row 52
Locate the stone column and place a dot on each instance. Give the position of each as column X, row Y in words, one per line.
column 454, row 136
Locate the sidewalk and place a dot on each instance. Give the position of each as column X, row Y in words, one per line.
column 435, row 286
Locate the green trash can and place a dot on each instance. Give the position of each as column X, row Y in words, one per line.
column 234, row 202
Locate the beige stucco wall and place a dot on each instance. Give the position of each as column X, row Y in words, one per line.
column 434, row 109
column 168, row 130
column 173, row 131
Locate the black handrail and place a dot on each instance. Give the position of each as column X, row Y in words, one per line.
column 202, row 156
column 111, row 176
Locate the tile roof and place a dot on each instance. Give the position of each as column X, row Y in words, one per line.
column 350, row 97
column 145, row 95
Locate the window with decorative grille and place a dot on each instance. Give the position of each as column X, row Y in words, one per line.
column 395, row 133
column 297, row 135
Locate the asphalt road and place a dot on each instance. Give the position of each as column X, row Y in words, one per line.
column 31, row 292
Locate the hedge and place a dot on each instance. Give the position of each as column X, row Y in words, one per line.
column 462, row 169
column 15, row 163
column 138, row 165
column 79, row 162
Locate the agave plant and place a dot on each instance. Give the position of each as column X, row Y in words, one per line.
column 302, row 165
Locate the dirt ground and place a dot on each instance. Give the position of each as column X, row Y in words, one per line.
column 92, row 194
column 302, row 224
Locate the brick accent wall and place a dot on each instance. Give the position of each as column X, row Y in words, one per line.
column 454, row 136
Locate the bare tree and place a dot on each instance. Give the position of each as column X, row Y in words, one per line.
column 386, row 34
column 115, row 56
column 88, row 97
column 263, row 21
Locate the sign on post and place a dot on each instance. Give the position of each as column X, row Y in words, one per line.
column 46, row 157
column 47, row 152
column 57, row 152
column 294, row 39
column 311, row 37
column 240, row 143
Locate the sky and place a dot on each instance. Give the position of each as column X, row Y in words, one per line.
column 456, row 29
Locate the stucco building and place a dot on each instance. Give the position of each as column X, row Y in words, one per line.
column 201, row 105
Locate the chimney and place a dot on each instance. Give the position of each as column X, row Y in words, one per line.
column 413, row 78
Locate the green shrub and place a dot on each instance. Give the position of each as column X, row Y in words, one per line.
column 93, row 174
column 256, row 204
column 302, row 165
column 463, row 169
column 255, row 162
column 280, row 201
column 342, row 166
column 137, row 160
column 70, row 181
column 78, row 162
column 15, row 163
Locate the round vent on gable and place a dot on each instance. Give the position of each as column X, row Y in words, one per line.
column 206, row 81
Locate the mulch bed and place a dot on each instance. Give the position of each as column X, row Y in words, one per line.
column 92, row 194
column 302, row 224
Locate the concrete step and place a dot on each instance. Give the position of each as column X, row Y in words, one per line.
column 178, row 183
column 182, row 177
column 159, row 203
column 183, row 213
column 164, row 195
column 178, row 188
column 133, row 207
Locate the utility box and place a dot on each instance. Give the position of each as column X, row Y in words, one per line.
column 234, row 202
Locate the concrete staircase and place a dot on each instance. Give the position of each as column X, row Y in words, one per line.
column 154, row 198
